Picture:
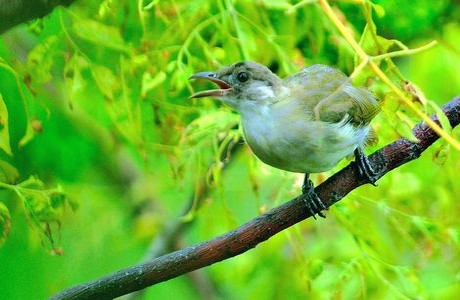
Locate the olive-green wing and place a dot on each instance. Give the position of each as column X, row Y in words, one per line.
column 329, row 95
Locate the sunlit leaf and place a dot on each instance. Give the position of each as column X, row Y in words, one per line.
column 41, row 59
column 277, row 4
column 149, row 81
column 99, row 34
column 44, row 208
column 4, row 128
column 29, row 135
column 105, row 80
column 316, row 268
column 379, row 10
column 441, row 154
column 404, row 127
column 372, row 43
column 5, row 222
column 74, row 80
column 204, row 127
column 445, row 123
column 8, row 173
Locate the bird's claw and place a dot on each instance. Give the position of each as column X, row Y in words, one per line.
column 365, row 170
column 314, row 203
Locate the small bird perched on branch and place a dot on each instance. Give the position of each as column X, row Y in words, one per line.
column 304, row 123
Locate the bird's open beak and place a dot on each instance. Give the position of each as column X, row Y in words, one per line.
column 224, row 87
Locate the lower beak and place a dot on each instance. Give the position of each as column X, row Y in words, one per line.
column 224, row 87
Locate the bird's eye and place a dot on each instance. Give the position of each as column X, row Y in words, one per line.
column 242, row 76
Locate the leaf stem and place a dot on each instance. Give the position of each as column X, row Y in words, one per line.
column 404, row 51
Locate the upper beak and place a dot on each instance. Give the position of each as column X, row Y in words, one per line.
column 211, row 76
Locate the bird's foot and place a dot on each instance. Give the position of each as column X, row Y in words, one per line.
column 314, row 204
column 365, row 170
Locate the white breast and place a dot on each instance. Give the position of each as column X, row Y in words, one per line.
column 299, row 144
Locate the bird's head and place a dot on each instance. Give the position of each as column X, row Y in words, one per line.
column 241, row 83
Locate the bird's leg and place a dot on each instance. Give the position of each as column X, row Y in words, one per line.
column 365, row 170
column 313, row 202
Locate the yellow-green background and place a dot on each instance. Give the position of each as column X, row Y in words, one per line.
column 107, row 151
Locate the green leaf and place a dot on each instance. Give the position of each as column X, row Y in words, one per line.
column 277, row 4
column 379, row 10
column 445, row 124
column 74, row 80
column 4, row 130
column 100, row 34
column 5, row 222
column 41, row 59
column 404, row 127
column 105, row 80
column 28, row 136
column 316, row 268
column 149, row 81
column 43, row 206
column 32, row 183
column 396, row 118
column 373, row 43
column 204, row 127
column 441, row 153
column 15, row 91
column 8, row 173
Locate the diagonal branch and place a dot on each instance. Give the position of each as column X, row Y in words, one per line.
column 260, row 228
column 14, row 12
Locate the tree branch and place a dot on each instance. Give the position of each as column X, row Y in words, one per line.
column 260, row 228
column 14, row 12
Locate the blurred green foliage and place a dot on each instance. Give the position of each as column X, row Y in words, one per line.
column 102, row 152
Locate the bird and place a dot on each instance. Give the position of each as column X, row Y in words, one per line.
column 304, row 123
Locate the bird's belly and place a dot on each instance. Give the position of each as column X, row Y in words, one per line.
column 304, row 147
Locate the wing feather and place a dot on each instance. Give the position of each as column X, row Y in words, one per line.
column 329, row 94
